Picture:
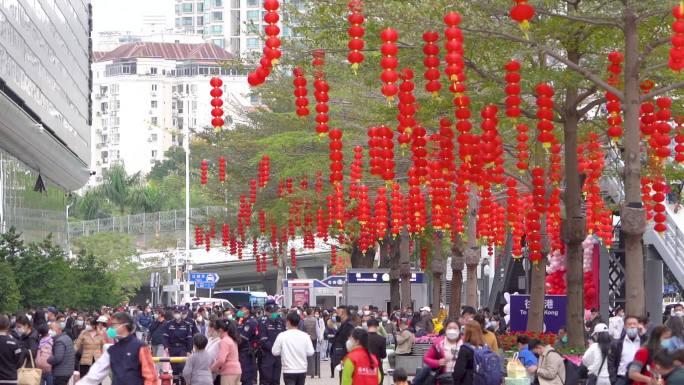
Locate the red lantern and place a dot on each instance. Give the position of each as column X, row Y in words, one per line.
column 545, row 114
column 522, row 13
column 355, row 32
column 336, row 156
column 407, row 108
column 380, row 212
column 613, row 102
column 199, row 236
column 423, row 258
column 431, row 62
column 333, row 255
column 522, row 147
column 264, row 171
column 207, row 242
column 648, row 118
column 216, row 102
column 389, row 63
column 355, row 171
column 513, row 89
column 679, row 139
column 222, row 169
column 271, row 51
column 676, row 62
column 534, row 216
column 397, row 210
column 293, row 257
column 252, row 192
column 300, row 92
column 225, row 235
column 204, row 168
column 321, row 89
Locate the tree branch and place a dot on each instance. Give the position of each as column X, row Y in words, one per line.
column 661, row 91
column 575, row 67
column 653, row 45
column 591, row 105
column 587, row 20
column 581, row 97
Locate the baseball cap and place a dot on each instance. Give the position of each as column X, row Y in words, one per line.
column 103, row 319
column 425, row 308
column 599, row 328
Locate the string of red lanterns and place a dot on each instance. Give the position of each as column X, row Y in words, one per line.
column 389, row 63
column 431, row 62
column 545, row 114
column 216, row 102
column 407, row 108
column 676, row 61
column 613, row 102
column 271, row 51
column 321, row 89
column 300, row 92
column 355, row 32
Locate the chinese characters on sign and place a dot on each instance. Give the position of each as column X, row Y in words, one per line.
column 554, row 312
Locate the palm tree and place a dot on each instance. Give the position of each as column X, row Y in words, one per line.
column 122, row 190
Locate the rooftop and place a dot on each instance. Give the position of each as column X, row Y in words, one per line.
column 170, row 51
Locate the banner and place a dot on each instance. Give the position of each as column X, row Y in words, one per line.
column 300, row 297
column 555, row 308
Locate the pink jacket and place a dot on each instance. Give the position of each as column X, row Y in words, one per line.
column 227, row 361
column 435, row 353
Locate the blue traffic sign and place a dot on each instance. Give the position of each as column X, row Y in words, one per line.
column 205, row 285
column 212, row 278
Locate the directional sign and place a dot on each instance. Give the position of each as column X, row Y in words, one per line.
column 204, row 277
column 205, row 285
column 171, row 287
column 335, row 280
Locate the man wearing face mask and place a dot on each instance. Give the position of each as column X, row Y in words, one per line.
column 77, row 327
column 247, row 347
column 377, row 344
column 11, row 354
column 178, row 341
column 268, row 330
column 28, row 338
column 129, row 360
column 157, row 334
column 341, row 336
column 63, row 358
column 622, row 351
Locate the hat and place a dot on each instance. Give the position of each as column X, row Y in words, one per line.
column 599, row 328
column 425, row 308
column 52, row 309
column 103, row 319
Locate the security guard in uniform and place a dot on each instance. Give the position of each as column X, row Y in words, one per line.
column 249, row 341
column 270, row 326
column 177, row 341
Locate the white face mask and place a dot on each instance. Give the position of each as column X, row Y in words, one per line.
column 176, row 316
column 199, row 319
column 88, row 328
column 679, row 313
column 385, row 319
column 79, row 322
column 453, row 334
column 52, row 333
column 349, row 345
column 366, row 312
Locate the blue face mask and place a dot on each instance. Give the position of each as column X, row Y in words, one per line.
column 666, row 344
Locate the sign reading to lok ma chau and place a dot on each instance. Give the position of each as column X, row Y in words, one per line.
column 555, row 308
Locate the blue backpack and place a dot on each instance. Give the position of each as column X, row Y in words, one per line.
column 488, row 366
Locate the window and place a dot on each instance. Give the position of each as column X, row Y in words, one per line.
column 153, row 137
column 154, row 154
column 218, row 3
column 187, row 7
column 115, row 121
column 217, row 29
column 200, row 7
column 178, row 22
column 104, row 107
column 178, row 8
column 114, row 88
column 252, row 3
column 154, row 87
column 217, row 16
column 104, row 122
column 200, row 20
column 187, row 21
column 154, row 120
column 253, row 16
column 194, row 105
column 153, row 70
column 153, row 104
column 253, row 43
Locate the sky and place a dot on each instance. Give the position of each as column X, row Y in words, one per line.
column 127, row 15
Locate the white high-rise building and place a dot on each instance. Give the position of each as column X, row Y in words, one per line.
column 232, row 24
column 144, row 94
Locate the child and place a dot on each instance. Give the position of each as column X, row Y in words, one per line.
column 400, row 377
column 196, row 371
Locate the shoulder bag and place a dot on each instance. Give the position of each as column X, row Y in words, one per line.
column 29, row 376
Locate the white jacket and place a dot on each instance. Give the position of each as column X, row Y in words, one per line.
column 592, row 360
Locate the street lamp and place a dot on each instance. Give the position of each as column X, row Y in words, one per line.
column 68, row 244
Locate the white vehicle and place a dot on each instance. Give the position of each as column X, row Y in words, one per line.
column 196, row 302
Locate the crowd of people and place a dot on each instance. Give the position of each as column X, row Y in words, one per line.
column 228, row 346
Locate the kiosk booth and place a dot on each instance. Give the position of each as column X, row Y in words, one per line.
column 326, row 293
column 371, row 287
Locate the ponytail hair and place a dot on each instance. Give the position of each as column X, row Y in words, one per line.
column 362, row 337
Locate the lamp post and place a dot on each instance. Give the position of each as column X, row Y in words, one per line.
column 68, row 244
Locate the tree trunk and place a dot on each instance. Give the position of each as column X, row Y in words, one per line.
column 633, row 215
column 472, row 254
column 535, row 314
column 394, row 274
column 280, row 272
column 405, row 270
column 361, row 260
column 457, row 263
column 574, row 225
column 437, row 267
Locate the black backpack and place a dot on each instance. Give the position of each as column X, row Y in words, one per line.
column 572, row 371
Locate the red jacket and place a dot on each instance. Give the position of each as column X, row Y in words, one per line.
column 364, row 374
column 434, row 354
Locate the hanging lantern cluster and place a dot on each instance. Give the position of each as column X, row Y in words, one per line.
column 676, row 62
column 264, row 171
column 431, row 62
column 355, row 172
column 679, row 139
column 300, row 92
column 612, row 101
column 381, row 213
column 454, row 50
column 389, row 63
column 522, row 13
column 333, row 255
column 515, row 217
column 204, row 170
column 646, row 196
column 261, row 218
column 322, row 224
column 271, row 51
column 417, row 210
column 491, row 145
column 252, row 191
column 309, row 239
column 212, row 228
column 397, row 210
column 534, row 216
column 647, row 111
column 207, row 242
column 321, row 89
column 660, row 188
column 381, row 152
column 225, row 235
column 660, row 139
column 513, row 90
column 336, row 156
column 222, row 169
column 339, row 207
column 545, row 114
column 355, row 32
column 419, row 169
column 363, row 210
column 423, row 258
column 199, row 236
column 590, row 293
column 293, row 257
column 216, row 102
column 436, row 184
column 407, row 108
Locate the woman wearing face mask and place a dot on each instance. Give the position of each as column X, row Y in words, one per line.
column 227, row 361
column 443, row 352
column 214, row 336
column 676, row 325
column 639, row 369
column 359, row 367
column 44, row 353
column 78, row 326
column 90, row 343
column 596, row 357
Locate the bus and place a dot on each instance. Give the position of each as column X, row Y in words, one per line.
column 240, row 298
